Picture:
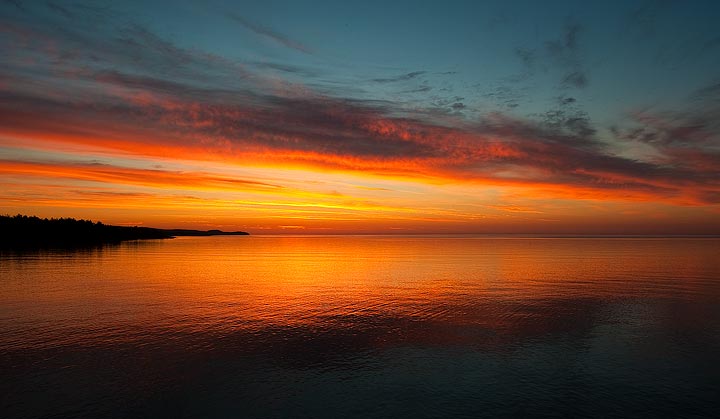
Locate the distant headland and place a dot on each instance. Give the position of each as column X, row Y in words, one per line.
column 23, row 232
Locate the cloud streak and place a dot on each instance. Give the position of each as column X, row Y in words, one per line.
column 269, row 34
column 402, row 77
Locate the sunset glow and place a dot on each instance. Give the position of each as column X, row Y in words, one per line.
column 111, row 114
column 359, row 209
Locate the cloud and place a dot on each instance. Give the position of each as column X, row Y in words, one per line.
column 576, row 79
column 562, row 55
column 269, row 34
column 286, row 68
column 527, row 56
column 706, row 92
column 565, row 51
column 133, row 176
column 402, row 77
column 421, row 89
column 162, row 100
column 697, row 127
column 326, row 132
column 566, row 47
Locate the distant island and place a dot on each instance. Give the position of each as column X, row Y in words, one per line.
column 22, row 232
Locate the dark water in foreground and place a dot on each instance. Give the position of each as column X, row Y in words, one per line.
column 363, row 327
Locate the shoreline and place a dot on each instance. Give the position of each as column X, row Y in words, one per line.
column 30, row 232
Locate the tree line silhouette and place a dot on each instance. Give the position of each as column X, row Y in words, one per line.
column 22, row 231
column 28, row 231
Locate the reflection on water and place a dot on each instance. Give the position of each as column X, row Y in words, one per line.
column 362, row 327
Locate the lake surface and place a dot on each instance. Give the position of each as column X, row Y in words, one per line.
column 363, row 326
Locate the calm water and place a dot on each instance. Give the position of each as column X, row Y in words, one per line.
column 363, row 327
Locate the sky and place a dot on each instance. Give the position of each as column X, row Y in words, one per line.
column 327, row 117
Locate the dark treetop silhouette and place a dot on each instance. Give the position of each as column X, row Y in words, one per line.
column 21, row 231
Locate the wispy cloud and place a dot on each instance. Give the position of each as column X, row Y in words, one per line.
column 402, row 77
column 269, row 33
column 566, row 52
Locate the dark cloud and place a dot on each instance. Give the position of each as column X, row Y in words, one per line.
column 576, row 79
column 670, row 132
column 562, row 56
column 571, row 36
column 697, row 127
column 402, row 77
column 565, row 51
column 685, row 142
column 505, row 96
column 269, row 34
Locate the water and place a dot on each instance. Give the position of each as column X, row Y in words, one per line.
column 363, row 327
